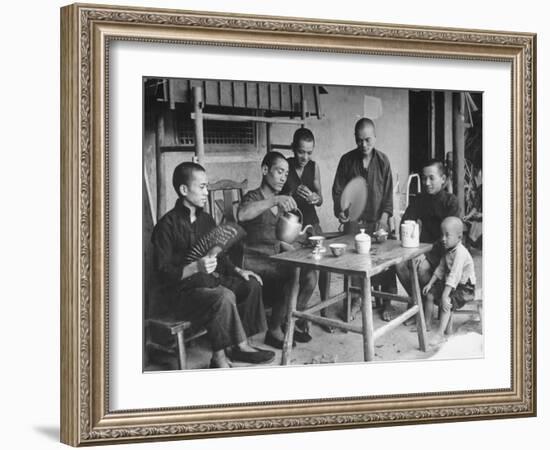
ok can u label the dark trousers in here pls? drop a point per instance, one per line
(230, 312)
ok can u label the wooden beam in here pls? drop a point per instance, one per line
(198, 119)
(160, 175)
(171, 94)
(268, 136)
(395, 322)
(394, 297)
(448, 133)
(238, 118)
(178, 149)
(458, 148)
(432, 124)
(328, 322)
(325, 304)
(281, 147)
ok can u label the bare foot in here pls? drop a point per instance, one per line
(328, 329)
(388, 313)
(277, 333)
(246, 347)
(437, 340)
(355, 308)
(219, 362)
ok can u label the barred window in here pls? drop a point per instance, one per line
(218, 132)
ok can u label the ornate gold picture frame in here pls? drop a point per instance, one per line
(87, 32)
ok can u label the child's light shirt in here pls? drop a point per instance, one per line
(456, 267)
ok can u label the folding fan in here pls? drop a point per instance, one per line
(215, 241)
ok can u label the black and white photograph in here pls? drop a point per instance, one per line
(288, 224)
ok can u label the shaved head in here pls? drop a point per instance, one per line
(364, 123)
(453, 224)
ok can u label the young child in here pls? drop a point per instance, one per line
(453, 282)
(429, 209)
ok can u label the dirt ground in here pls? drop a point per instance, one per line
(400, 344)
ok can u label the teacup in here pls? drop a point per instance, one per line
(381, 235)
(338, 249)
(316, 241)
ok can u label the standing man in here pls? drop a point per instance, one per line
(210, 292)
(374, 166)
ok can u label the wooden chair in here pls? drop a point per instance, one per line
(225, 209)
(224, 197)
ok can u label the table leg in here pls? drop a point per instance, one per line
(324, 289)
(182, 362)
(417, 299)
(347, 300)
(368, 324)
(289, 335)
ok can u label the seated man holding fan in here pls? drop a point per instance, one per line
(210, 291)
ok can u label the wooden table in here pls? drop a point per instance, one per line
(381, 257)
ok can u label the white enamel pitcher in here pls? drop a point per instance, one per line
(410, 234)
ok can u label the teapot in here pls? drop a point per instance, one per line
(410, 234)
(289, 225)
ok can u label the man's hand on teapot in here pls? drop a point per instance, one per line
(207, 264)
(246, 274)
(286, 202)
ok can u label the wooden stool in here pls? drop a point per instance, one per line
(176, 329)
(478, 311)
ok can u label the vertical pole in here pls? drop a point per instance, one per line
(317, 102)
(289, 335)
(458, 148)
(366, 315)
(432, 124)
(171, 98)
(448, 137)
(199, 130)
(448, 119)
(268, 136)
(160, 172)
